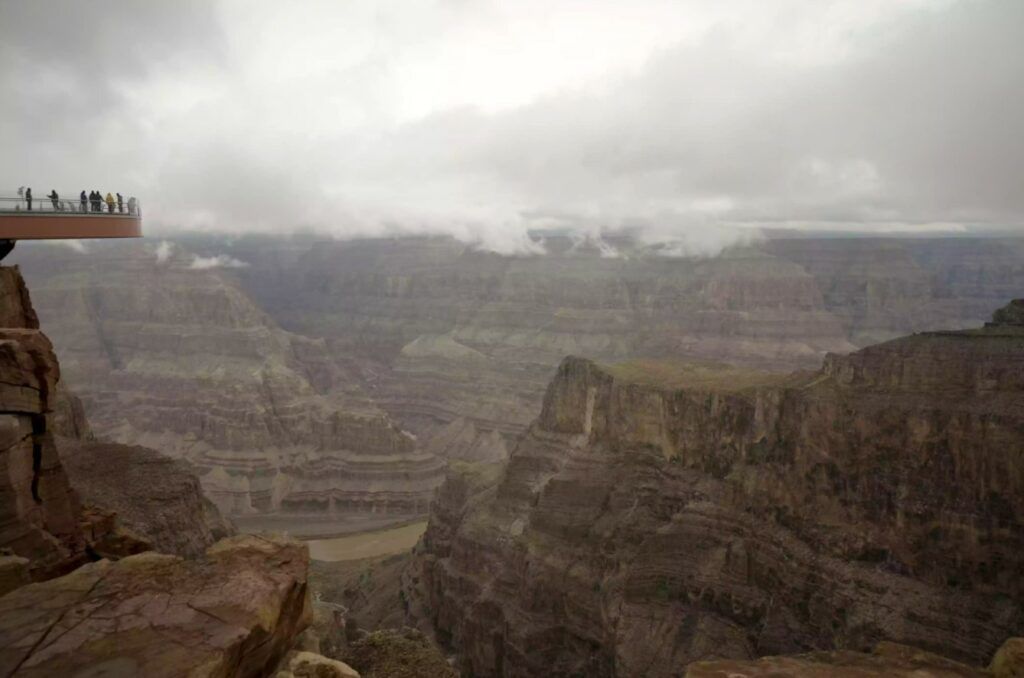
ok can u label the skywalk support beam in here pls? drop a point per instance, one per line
(65, 226)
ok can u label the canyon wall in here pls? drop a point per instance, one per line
(655, 516)
(64, 498)
(82, 590)
(443, 331)
(177, 358)
(276, 365)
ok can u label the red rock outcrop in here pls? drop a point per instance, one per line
(234, 613)
(39, 512)
(651, 519)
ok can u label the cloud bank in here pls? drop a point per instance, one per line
(689, 121)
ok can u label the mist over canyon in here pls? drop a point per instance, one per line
(483, 339)
(287, 379)
(805, 444)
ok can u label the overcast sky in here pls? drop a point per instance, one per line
(484, 118)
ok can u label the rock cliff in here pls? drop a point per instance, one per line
(447, 332)
(155, 498)
(39, 512)
(235, 612)
(177, 358)
(658, 514)
(437, 332)
(236, 608)
(134, 499)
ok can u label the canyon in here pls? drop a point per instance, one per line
(111, 560)
(637, 510)
(448, 332)
(655, 515)
(178, 359)
(256, 357)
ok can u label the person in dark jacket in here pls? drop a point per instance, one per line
(53, 198)
(120, 203)
(84, 201)
(28, 198)
(95, 199)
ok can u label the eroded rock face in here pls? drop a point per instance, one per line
(178, 359)
(134, 498)
(453, 333)
(235, 612)
(39, 512)
(440, 332)
(156, 499)
(640, 526)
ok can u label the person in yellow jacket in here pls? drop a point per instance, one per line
(110, 203)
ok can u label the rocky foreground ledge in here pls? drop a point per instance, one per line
(234, 612)
(231, 608)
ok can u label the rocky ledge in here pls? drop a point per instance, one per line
(657, 515)
(234, 612)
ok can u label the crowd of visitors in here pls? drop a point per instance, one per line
(95, 202)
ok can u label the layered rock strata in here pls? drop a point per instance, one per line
(235, 612)
(437, 331)
(134, 498)
(156, 499)
(39, 512)
(657, 515)
(446, 332)
(177, 358)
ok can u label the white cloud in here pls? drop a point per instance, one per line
(485, 119)
(163, 251)
(201, 263)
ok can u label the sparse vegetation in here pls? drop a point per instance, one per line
(706, 376)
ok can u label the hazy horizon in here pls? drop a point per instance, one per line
(694, 122)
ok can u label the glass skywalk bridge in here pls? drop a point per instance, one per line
(63, 219)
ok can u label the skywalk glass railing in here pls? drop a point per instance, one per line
(70, 206)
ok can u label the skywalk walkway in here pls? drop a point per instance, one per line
(63, 219)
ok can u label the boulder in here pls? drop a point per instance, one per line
(311, 665)
(234, 612)
(1009, 660)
